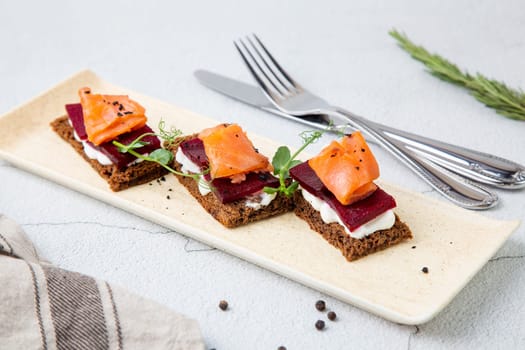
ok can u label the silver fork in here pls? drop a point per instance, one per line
(290, 97)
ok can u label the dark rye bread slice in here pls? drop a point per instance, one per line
(336, 235)
(230, 214)
(118, 179)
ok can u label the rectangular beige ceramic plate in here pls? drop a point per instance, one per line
(452, 242)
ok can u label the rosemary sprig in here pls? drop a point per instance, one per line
(283, 161)
(494, 94)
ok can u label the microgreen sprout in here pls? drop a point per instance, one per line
(283, 161)
(161, 156)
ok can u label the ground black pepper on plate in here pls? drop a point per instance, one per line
(319, 325)
(320, 305)
(332, 316)
(223, 305)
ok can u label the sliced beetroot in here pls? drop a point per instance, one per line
(228, 192)
(74, 111)
(123, 159)
(353, 215)
(194, 150)
(223, 188)
(111, 151)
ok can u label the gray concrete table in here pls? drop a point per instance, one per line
(339, 49)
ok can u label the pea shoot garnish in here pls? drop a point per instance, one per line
(284, 160)
(161, 156)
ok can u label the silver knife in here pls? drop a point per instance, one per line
(490, 170)
(252, 95)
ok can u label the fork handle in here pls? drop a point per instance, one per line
(479, 166)
(455, 188)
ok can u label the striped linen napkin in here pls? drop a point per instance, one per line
(45, 307)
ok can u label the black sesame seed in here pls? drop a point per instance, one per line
(87, 92)
(424, 269)
(115, 103)
(320, 305)
(121, 107)
(168, 197)
(163, 179)
(120, 114)
(128, 112)
(356, 168)
(362, 149)
(332, 316)
(170, 189)
(223, 305)
(413, 247)
(319, 325)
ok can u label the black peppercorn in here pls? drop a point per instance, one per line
(223, 305)
(320, 305)
(332, 316)
(319, 325)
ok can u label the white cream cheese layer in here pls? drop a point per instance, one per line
(260, 200)
(257, 201)
(96, 154)
(93, 153)
(187, 166)
(382, 222)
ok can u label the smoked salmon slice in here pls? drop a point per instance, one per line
(231, 154)
(108, 116)
(347, 168)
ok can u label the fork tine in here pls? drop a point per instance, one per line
(261, 69)
(272, 70)
(281, 69)
(257, 77)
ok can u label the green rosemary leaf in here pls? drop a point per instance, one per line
(494, 94)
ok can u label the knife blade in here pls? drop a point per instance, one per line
(253, 96)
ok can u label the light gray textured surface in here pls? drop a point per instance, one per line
(154, 46)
